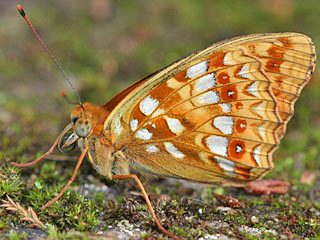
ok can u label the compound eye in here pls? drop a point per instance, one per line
(83, 127)
(74, 120)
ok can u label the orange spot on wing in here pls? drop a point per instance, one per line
(276, 52)
(181, 77)
(241, 125)
(273, 65)
(236, 149)
(229, 93)
(216, 60)
(239, 105)
(285, 41)
(223, 78)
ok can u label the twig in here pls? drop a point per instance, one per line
(29, 216)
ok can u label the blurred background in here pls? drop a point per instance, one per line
(105, 45)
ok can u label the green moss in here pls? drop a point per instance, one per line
(10, 182)
(16, 236)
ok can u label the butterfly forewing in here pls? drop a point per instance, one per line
(217, 115)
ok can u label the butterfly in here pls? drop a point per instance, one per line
(215, 116)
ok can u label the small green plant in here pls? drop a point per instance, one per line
(17, 236)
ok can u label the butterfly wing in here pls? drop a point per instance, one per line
(216, 115)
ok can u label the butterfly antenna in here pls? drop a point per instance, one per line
(64, 95)
(23, 14)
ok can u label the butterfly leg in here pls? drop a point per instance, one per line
(145, 195)
(83, 154)
(54, 145)
(267, 186)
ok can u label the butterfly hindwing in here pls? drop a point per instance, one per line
(217, 115)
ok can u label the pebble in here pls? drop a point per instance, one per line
(254, 219)
(224, 209)
(215, 237)
(250, 230)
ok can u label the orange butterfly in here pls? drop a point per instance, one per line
(214, 117)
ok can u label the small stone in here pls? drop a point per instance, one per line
(224, 209)
(270, 222)
(250, 230)
(254, 219)
(189, 219)
(315, 211)
(227, 210)
(104, 188)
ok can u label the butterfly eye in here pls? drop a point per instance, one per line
(83, 127)
(74, 119)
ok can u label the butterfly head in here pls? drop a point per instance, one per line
(82, 122)
(87, 120)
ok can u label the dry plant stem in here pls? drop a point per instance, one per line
(54, 145)
(29, 216)
(80, 160)
(145, 195)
